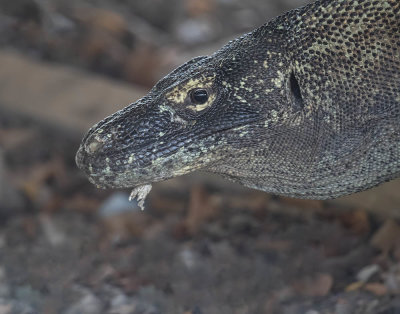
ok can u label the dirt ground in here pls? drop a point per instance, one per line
(202, 245)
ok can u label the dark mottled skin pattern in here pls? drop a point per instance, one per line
(307, 105)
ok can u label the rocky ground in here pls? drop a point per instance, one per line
(202, 245)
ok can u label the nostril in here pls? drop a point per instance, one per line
(93, 144)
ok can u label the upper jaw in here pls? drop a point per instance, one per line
(116, 170)
(120, 170)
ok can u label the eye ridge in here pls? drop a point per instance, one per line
(199, 95)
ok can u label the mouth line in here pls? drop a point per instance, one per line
(166, 151)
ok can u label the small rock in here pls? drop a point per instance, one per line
(367, 272)
(343, 307)
(195, 31)
(88, 304)
(148, 297)
(189, 258)
(116, 204)
(5, 308)
(27, 297)
(61, 23)
(119, 300)
(22, 307)
(121, 304)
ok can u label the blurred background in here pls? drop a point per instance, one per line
(202, 245)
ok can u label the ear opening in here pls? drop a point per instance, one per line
(296, 92)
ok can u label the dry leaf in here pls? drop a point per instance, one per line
(357, 221)
(376, 288)
(367, 272)
(354, 286)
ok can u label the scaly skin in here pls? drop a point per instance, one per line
(307, 105)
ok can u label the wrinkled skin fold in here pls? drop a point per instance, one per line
(307, 105)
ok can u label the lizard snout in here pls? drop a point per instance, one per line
(81, 160)
(87, 156)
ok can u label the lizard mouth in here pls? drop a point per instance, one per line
(139, 166)
(111, 163)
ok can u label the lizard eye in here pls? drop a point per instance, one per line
(199, 96)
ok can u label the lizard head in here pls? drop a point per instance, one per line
(197, 117)
(294, 108)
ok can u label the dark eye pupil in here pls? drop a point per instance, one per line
(199, 96)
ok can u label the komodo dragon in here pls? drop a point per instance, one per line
(307, 105)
